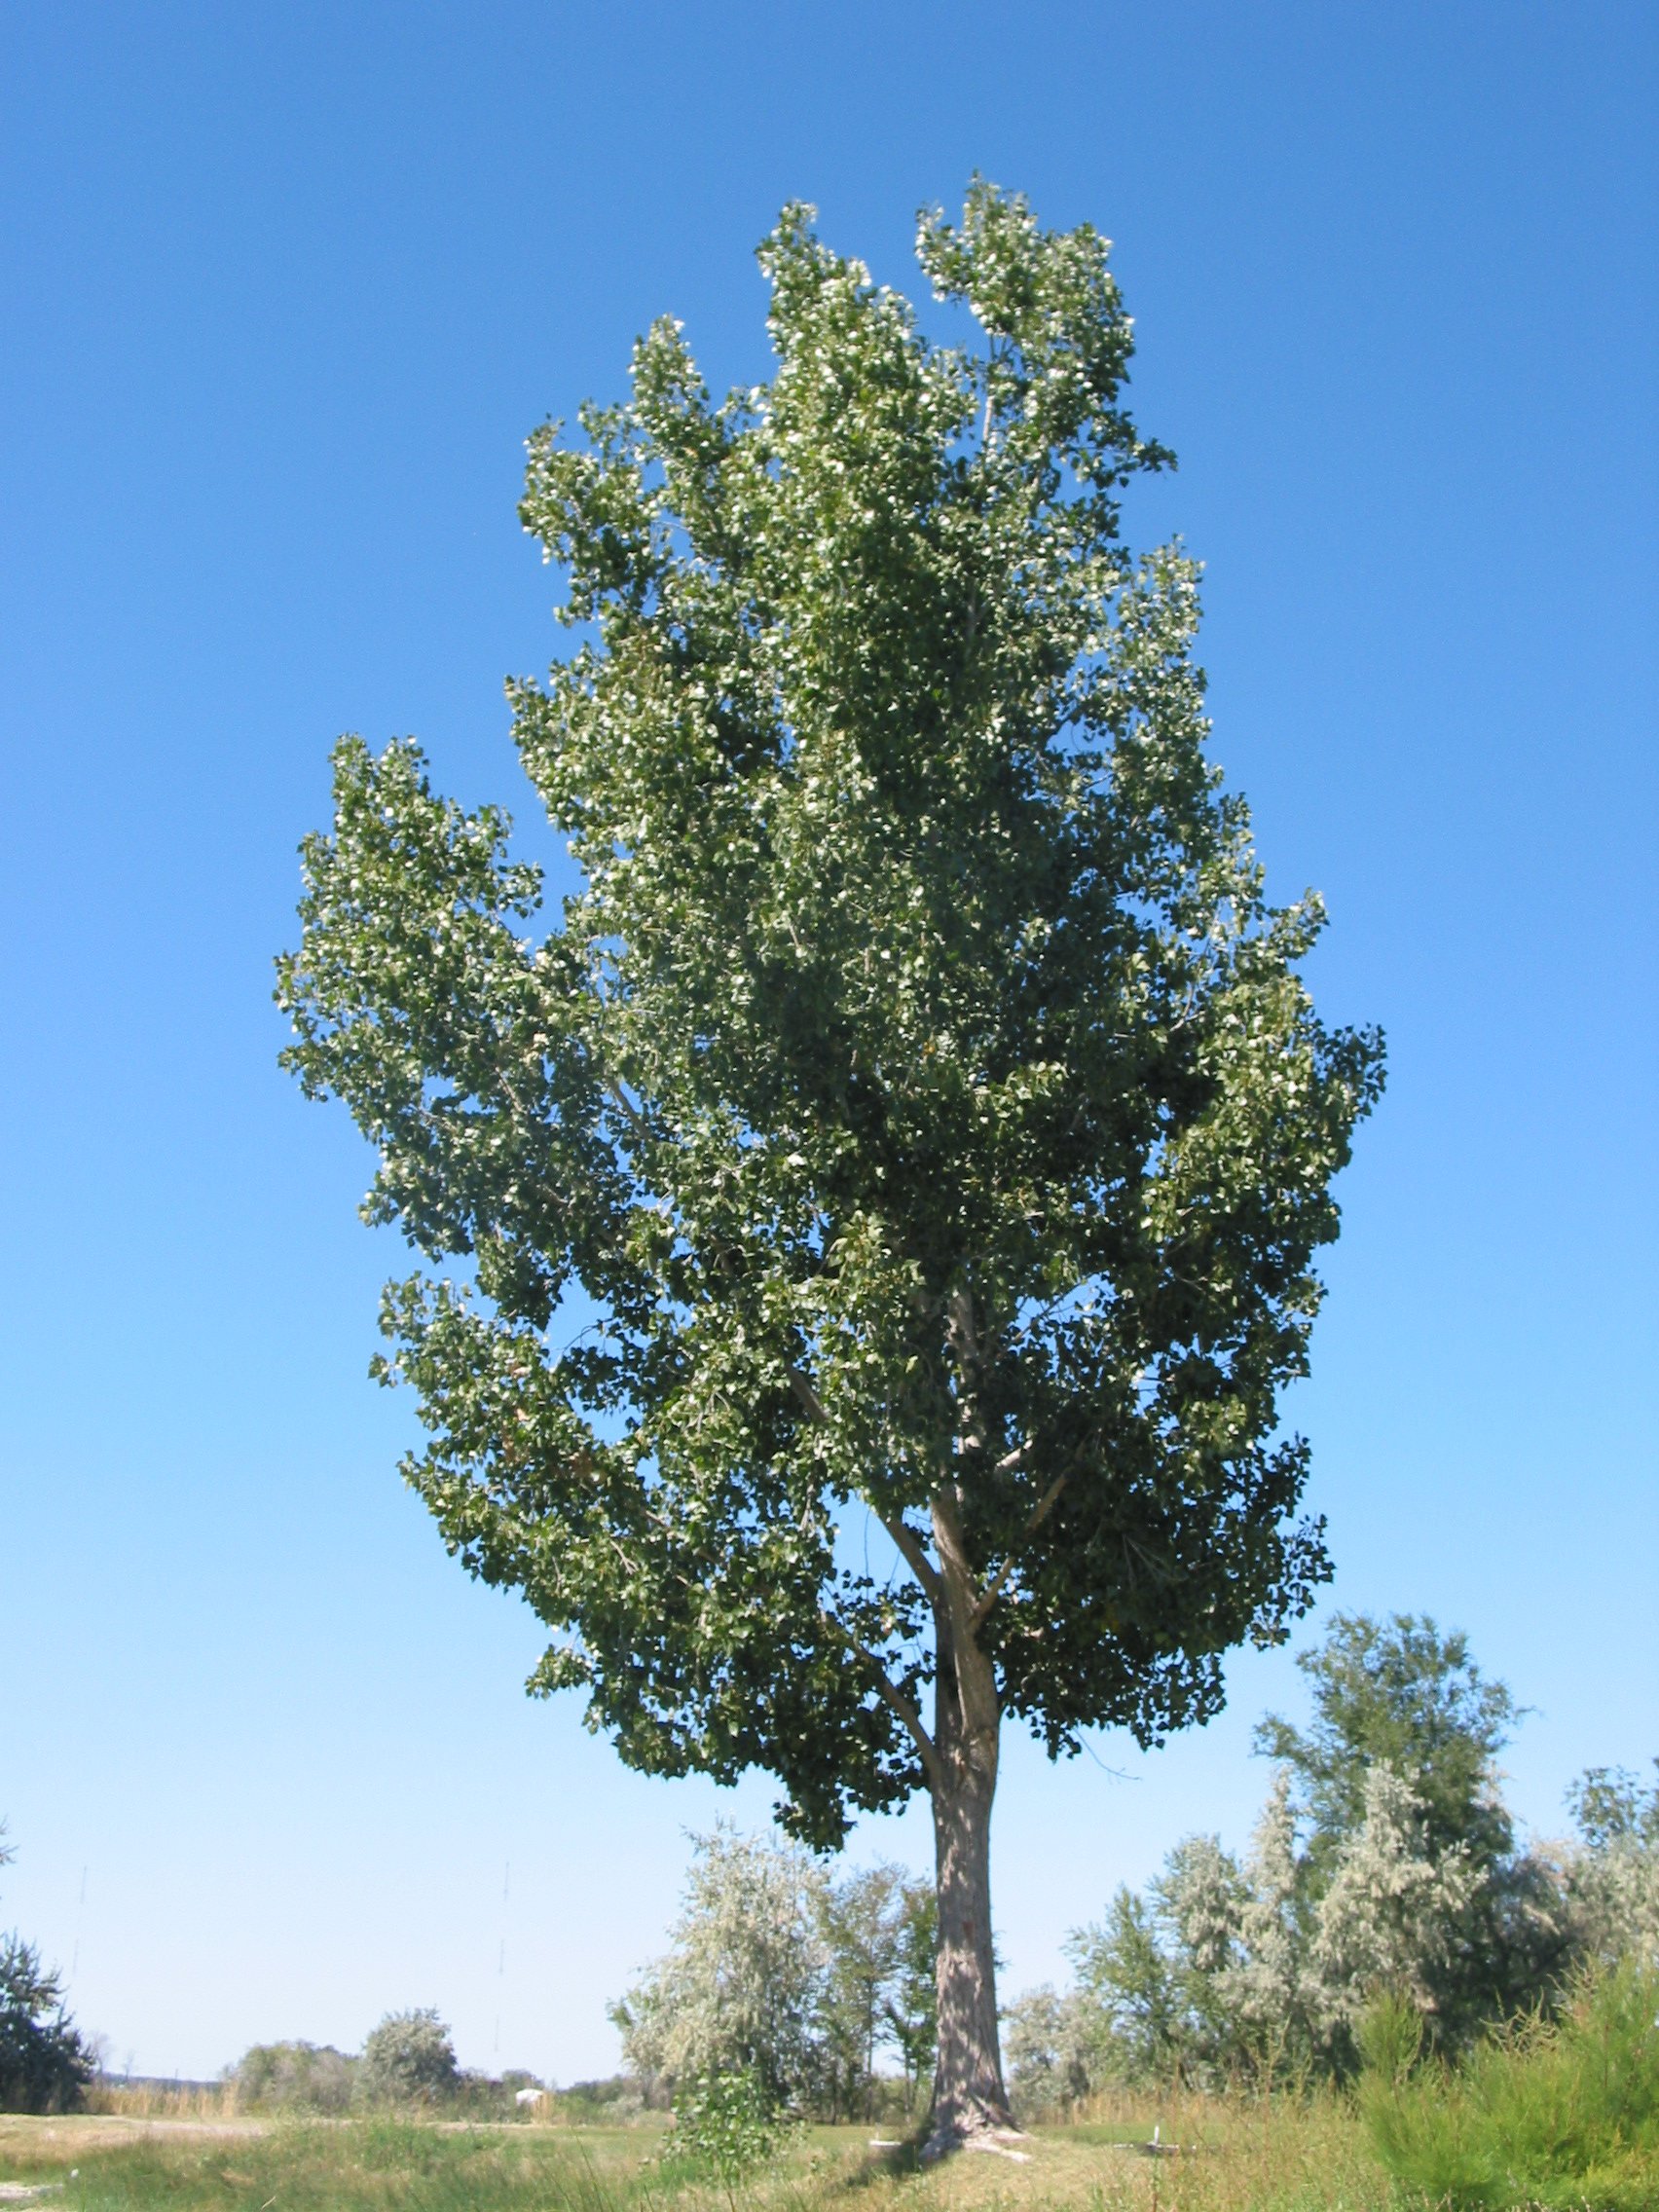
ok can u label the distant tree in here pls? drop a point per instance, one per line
(1059, 2050)
(1400, 1913)
(916, 1121)
(739, 1990)
(1154, 1975)
(1612, 1880)
(911, 2006)
(304, 2076)
(793, 1981)
(618, 2096)
(409, 2059)
(862, 1922)
(1612, 1807)
(879, 1988)
(44, 2061)
(1404, 1695)
(1384, 1860)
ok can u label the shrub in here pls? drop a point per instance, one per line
(1552, 2113)
(617, 2098)
(727, 2124)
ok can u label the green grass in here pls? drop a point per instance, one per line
(1555, 2113)
(374, 2166)
(1288, 2156)
(1550, 2116)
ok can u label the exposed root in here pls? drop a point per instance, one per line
(992, 2140)
(995, 2137)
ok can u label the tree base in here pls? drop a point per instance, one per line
(993, 2132)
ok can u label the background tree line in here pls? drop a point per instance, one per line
(407, 2062)
(1384, 1864)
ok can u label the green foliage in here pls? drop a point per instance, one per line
(738, 1992)
(1400, 1694)
(775, 1973)
(1160, 1991)
(1612, 1882)
(919, 1088)
(1060, 2052)
(1384, 1863)
(1389, 2038)
(613, 2100)
(910, 2002)
(725, 2124)
(293, 2077)
(1560, 2112)
(44, 2061)
(876, 1929)
(1614, 1811)
(407, 2059)
(1404, 1695)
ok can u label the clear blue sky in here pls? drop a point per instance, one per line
(285, 289)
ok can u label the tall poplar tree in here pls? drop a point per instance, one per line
(886, 1191)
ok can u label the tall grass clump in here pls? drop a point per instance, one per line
(1562, 2113)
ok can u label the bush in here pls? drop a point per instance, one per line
(1561, 2113)
(617, 2099)
(725, 2124)
(409, 2059)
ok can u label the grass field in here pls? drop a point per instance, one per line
(1280, 2156)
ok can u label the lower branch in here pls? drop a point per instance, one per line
(1000, 1581)
(890, 1694)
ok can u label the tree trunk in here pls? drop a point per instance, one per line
(969, 2097)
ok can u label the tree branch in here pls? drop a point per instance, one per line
(896, 1526)
(915, 1557)
(892, 1695)
(619, 1099)
(808, 1396)
(1041, 1513)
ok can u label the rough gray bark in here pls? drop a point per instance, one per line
(969, 2095)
